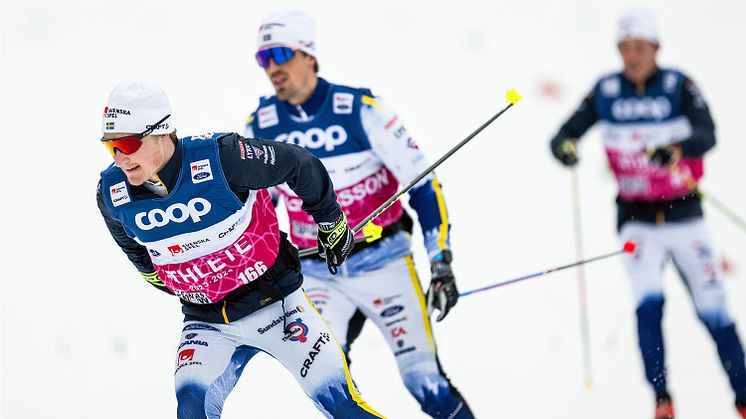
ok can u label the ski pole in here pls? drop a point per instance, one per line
(511, 96)
(582, 295)
(374, 231)
(727, 212)
(629, 247)
(724, 210)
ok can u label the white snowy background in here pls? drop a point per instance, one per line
(83, 336)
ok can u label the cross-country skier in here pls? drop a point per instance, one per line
(195, 218)
(368, 152)
(656, 128)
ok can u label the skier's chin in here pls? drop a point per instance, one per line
(136, 176)
(282, 93)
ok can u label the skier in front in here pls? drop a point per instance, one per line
(368, 154)
(194, 217)
(656, 127)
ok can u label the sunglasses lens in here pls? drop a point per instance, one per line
(262, 58)
(126, 145)
(280, 55)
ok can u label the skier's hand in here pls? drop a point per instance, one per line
(664, 156)
(442, 293)
(567, 152)
(335, 241)
(154, 280)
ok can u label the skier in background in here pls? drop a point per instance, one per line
(656, 128)
(194, 217)
(368, 154)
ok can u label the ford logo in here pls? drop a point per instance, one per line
(392, 311)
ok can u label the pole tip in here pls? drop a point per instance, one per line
(629, 246)
(512, 96)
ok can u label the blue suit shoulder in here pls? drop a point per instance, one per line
(214, 136)
(112, 168)
(358, 91)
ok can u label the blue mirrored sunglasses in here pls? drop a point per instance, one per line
(280, 55)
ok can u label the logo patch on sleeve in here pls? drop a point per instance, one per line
(201, 171)
(342, 103)
(119, 194)
(611, 87)
(267, 116)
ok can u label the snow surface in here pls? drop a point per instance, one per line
(84, 337)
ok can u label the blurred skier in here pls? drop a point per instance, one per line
(368, 153)
(656, 127)
(194, 217)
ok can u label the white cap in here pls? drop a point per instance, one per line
(134, 106)
(296, 30)
(637, 23)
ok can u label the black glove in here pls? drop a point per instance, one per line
(664, 156)
(567, 152)
(335, 241)
(154, 280)
(442, 294)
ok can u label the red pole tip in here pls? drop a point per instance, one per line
(630, 246)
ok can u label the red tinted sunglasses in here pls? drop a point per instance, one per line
(131, 143)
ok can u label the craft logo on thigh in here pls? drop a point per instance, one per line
(317, 346)
(297, 331)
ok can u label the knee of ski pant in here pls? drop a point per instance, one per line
(190, 400)
(336, 401)
(197, 401)
(715, 320)
(650, 309)
(712, 309)
(350, 409)
(433, 392)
